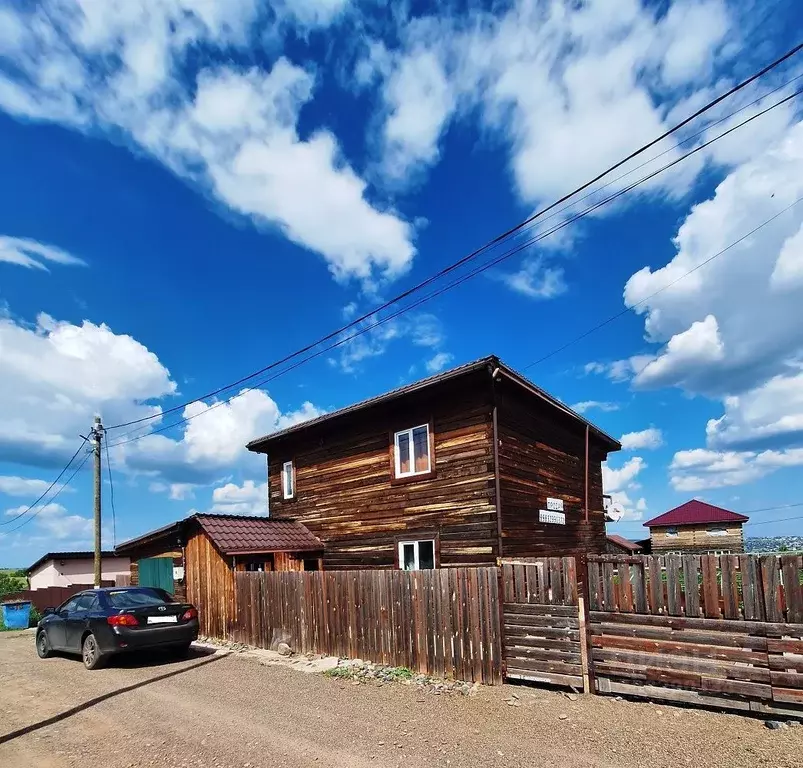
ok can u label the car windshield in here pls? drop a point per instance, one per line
(134, 598)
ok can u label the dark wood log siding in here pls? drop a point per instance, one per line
(541, 455)
(345, 496)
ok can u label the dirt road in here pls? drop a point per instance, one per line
(233, 712)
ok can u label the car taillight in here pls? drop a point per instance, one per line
(190, 613)
(123, 620)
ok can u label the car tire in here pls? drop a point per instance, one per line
(43, 649)
(90, 653)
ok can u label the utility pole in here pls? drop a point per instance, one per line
(97, 434)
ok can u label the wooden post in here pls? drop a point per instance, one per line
(581, 610)
(97, 433)
(586, 661)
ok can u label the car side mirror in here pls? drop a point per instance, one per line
(48, 611)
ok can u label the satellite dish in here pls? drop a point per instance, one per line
(614, 513)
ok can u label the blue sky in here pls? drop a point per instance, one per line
(193, 190)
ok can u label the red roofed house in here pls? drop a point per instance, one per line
(196, 558)
(697, 527)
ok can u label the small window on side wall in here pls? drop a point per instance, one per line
(411, 451)
(717, 530)
(417, 555)
(672, 532)
(288, 480)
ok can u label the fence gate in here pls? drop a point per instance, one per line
(544, 634)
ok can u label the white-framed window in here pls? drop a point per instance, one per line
(417, 555)
(411, 451)
(288, 480)
(717, 530)
(672, 532)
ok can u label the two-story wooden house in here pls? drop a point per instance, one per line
(463, 468)
(697, 527)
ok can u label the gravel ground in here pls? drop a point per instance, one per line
(231, 711)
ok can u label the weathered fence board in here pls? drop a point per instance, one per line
(435, 622)
(541, 622)
(724, 630)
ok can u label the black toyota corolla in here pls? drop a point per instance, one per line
(99, 623)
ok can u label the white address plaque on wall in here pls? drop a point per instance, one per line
(547, 516)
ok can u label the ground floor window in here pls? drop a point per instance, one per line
(310, 563)
(417, 555)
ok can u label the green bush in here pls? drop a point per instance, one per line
(36, 617)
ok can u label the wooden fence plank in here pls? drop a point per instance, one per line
(793, 590)
(656, 585)
(730, 587)
(673, 585)
(709, 565)
(691, 584)
(770, 582)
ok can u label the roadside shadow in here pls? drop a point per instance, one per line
(207, 657)
(155, 658)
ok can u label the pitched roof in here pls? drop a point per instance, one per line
(696, 512)
(67, 556)
(236, 535)
(239, 534)
(491, 362)
(623, 542)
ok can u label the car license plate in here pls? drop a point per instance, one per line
(162, 619)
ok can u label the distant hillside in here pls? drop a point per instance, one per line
(774, 544)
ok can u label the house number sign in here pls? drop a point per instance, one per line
(554, 505)
(547, 516)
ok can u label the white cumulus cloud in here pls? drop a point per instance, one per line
(32, 254)
(644, 440)
(122, 68)
(600, 405)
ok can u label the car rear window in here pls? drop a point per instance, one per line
(134, 598)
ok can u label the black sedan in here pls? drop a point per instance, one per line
(99, 623)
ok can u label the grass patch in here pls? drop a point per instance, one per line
(339, 672)
(398, 673)
(385, 674)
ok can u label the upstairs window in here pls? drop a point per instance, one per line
(717, 530)
(411, 451)
(672, 532)
(417, 555)
(288, 480)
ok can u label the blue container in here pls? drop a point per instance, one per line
(17, 614)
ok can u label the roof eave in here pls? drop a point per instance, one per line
(260, 444)
(151, 536)
(262, 551)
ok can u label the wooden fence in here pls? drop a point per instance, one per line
(49, 597)
(542, 623)
(441, 622)
(724, 630)
(716, 630)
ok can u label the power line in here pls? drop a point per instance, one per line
(111, 494)
(498, 239)
(629, 309)
(53, 498)
(781, 520)
(484, 267)
(49, 488)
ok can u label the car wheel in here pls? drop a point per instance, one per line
(43, 646)
(93, 658)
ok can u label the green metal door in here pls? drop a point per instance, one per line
(156, 572)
